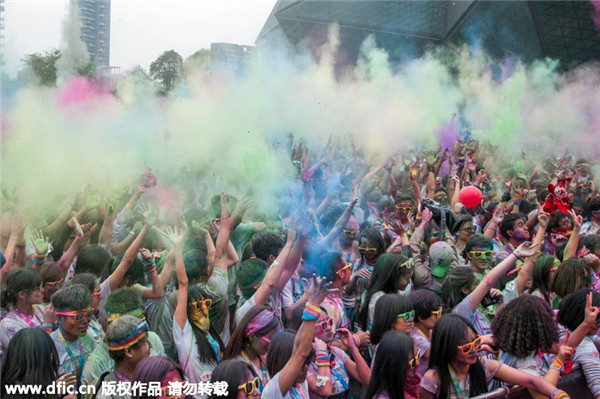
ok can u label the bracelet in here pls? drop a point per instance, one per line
(323, 352)
(517, 256)
(20, 246)
(322, 380)
(312, 312)
(356, 340)
(558, 363)
(39, 259)
(323, 364)
(152, 270)
(559, 369)
(517, 203)
(558, 394)
(313, 308)
(309, 317)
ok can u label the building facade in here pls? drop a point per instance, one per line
(95, 29)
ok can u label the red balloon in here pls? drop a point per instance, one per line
(470, 196)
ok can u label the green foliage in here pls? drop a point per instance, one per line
(200, 61)
(167, 69)
(43, 67)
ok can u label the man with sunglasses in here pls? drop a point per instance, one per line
(73, 305)
(479, 254)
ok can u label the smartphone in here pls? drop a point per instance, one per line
(489, 300)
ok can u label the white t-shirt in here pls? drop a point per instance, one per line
(273, 391)
(12, 323)
(187, 352)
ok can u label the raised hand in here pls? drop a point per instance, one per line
(176, 236)
(40, 243)
(498, 216)
(526, 249)
(346, 338)
(200, 228)
(148, 214)
(426, 216)
(591, 312)
(543, 218)
(397, 227)
(317, 291)
(565, 352)
(577, 220)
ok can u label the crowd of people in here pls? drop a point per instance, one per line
(369, 280)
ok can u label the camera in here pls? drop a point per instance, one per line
(443, 215)
(489, 300)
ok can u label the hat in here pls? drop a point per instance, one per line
(440, 257)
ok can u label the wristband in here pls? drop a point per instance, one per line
(558, 394)
(558, 363)
(356, 340)
(517, 203)
(21, 246)
(39, 259)
(151, 270)
(506, 196)
(322, 352)
(309, 317)
(517, 256)
(48, 328)
(313, 308)
(323, 364)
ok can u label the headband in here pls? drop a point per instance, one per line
(130, 340)
(260, 321)
(114, 316)
(253, 283)
(71, 311)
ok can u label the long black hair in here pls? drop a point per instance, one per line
(541, 274)
(453, 285)
(387, 309)
(216, 315)
(385, 276)
(390, 365)
(448, 333)
(232, 372)
(30, 359)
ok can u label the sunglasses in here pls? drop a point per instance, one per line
(435, 234)
(98, 293)
(437, 313)
(408, 316)
(404, 209)
(480, 254)
(367, 251)
(350, 233)
(406, 264)
(467, 348)
(412, 363)
(267, 340)
(199, 304)
(54, 284)
(250, 386)
(323, 325)
(469, 229)
(348, 266)
(79, 315)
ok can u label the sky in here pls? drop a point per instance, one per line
(140, 30)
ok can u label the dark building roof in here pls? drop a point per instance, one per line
(562, 30)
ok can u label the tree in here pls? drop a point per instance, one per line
(167, 68)
(198, 62)
(43, 67)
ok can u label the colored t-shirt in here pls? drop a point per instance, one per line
(481, 324)
(12, 323)
(69, 352)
